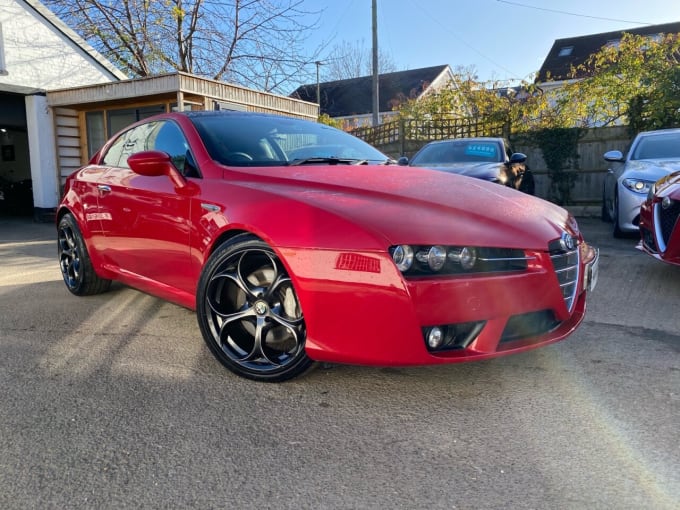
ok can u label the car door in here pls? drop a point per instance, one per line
(148, 236)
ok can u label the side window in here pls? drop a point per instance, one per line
(130, 142)
(137, 140)
(112, 156)
(170, 139)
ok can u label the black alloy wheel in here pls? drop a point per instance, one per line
(74, 261)
(249, 313)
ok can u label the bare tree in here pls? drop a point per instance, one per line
(352, 60)
(251, 42)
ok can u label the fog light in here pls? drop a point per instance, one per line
(435, 338)
(666, 202)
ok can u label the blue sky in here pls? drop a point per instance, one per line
(501, 39)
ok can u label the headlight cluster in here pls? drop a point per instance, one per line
(438, 259)
(638, 185)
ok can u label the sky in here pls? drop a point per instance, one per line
(502, 40)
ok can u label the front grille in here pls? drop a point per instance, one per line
(529, 325)
(566, 265)
(667, 219)
(648, 240)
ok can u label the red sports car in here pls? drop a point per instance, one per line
(659, 226)
(296, 242)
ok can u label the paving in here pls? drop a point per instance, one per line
(113, 401)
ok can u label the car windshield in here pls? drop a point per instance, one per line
(269, 140)
(658, 146)
(459, 151)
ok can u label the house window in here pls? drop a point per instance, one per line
(101, 125)
(566, 51)
(118, 119)
(96, 134)
(613, 43)
(3, 69)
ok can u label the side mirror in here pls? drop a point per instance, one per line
(150, 163)
(517, 157)
(155, 164)
(616, 156)
(402, 161)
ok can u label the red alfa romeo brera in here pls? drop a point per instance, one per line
(296, 242)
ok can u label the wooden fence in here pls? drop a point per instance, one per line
(589, 167)
(404, 137)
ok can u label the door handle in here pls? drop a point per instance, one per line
(103, 189)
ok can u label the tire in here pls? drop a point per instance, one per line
(74, 261)
(606, 217)
(616, 231)
(249, 314)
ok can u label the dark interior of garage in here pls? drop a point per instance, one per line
(16, 192)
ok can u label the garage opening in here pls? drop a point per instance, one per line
(16, 192)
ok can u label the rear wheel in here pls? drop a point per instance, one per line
(74, 261)
(249, 313)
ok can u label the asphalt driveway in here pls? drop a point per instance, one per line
(113, 401)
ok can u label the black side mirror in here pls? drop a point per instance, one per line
(518, 157)
(402, 161)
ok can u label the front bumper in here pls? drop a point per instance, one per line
(381, 319)
(629, 209)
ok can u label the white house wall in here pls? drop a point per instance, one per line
(41, 128)
(38, 55)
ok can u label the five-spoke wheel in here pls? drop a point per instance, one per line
(249, 313)
(74, 261)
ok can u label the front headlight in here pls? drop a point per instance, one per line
(434, 257)
(466, 257)
(419, 260)
(402, 256)
(638, 185)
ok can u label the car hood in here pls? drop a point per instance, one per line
(669, 184)
(651, 169)
(420, 206)
(486, 171)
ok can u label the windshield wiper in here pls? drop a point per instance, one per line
(330, 161)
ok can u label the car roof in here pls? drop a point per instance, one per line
(657, 132)
(471, 139)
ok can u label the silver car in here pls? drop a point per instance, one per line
(652, 155)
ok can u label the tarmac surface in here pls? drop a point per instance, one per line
(113, 401)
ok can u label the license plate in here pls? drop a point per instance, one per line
(592, 271)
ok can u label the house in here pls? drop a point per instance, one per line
(85, 117)
(571, 52)
(37, 53)
(60, 100)
(351, 100)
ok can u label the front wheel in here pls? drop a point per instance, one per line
(249, 313)
(605, 214)
(616, 231)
